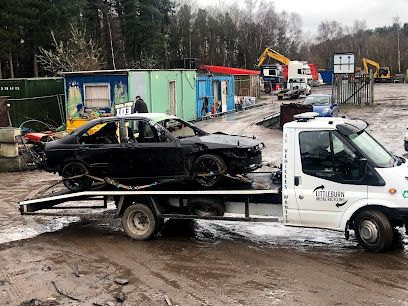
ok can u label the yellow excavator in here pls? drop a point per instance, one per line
(380, 74)
(268, 52)
(271, 74)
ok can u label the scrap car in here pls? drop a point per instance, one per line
(149, 147)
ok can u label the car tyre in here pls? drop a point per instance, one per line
(139, 222)
(280, 97)
(406, 145)
(79, 170)
(208, 170)
(373, 230)
(206, 207)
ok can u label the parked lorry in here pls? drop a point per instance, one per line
(334, 175)
(275, 76)
(295, 88)
(272, 77)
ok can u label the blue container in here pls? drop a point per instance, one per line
(327, 76)
(209, 91)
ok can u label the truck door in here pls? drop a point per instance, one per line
(328, 178)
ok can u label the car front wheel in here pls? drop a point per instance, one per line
(406, 145)
(208, 170)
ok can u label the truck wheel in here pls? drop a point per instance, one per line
(206, 207)
(139, 222)
(208, 170)
(373, 230)
(74, 176)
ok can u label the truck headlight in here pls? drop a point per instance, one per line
(326, 110)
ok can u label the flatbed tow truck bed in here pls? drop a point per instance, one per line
(240, 202)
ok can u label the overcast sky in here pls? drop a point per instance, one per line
(375, 12)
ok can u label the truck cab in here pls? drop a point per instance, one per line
(272, 77)
(298, 69)
(336, 176)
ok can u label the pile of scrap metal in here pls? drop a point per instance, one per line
(37, 133)
(34, 135)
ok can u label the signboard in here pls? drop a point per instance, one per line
(124, 108)
(343, 62)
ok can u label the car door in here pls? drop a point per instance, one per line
(100, 148)
(327, 178)
(150, 151)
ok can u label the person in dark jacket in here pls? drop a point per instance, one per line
(140, 106)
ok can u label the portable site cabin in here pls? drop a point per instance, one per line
(246, 83)
(215, 94)
(91, 94)
(34, 98)
(165, 91)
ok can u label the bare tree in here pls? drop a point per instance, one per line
(78, 54)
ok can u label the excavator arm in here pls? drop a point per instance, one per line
(367, 62)
(268, 52)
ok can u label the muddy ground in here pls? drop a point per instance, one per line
(75, 261)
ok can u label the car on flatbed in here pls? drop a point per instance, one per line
(149, 146)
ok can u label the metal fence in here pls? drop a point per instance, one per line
(50, 109)
(353, 89)
(247, 85)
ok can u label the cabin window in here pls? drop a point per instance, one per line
(97, 95)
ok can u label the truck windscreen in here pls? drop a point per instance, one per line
(373, 150)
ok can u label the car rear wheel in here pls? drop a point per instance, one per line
(74, 176)
(208, 170)
(373, 230)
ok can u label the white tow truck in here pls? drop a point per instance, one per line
(334, 175)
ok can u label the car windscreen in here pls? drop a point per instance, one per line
(317, 100)
(372, 149)
(181, 129)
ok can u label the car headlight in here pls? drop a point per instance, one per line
(326, 110)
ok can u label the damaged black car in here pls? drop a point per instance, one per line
(149, 147)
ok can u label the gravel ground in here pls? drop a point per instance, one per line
(74, 261)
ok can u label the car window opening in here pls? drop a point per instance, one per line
(103, 133)
(181, 129)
